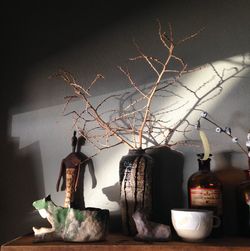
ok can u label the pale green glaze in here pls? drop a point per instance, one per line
(71, 224)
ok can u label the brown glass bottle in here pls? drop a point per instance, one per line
(205, 191)
(243, 205)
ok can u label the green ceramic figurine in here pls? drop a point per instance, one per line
(68, 224)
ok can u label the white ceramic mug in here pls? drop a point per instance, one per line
(194, 224)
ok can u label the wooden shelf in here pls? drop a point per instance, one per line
(120, 242)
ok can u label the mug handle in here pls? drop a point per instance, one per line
(216, 222)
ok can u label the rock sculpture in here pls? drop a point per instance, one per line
(150, 231)
(68, 224)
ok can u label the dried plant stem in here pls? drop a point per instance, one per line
(133, 122)
(228, 134)
(150, 98)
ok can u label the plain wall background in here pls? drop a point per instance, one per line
(94, 38)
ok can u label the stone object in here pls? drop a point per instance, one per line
(68, 224)
(150, 231)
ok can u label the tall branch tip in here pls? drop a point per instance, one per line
(129, 118)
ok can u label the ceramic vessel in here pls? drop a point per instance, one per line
(193, 225)
(135, 187)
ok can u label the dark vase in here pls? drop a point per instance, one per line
(167, 180)
(135, 186)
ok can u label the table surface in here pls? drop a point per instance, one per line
(116, 242)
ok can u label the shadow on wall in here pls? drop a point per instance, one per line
(230, 177)
(224, 22)
(113, 195)
(21, 182)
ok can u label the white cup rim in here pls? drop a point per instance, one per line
(191, 210)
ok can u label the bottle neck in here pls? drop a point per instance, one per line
(204, 165)
(136, 151)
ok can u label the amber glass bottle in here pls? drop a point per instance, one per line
(243, 199)
(205, 191)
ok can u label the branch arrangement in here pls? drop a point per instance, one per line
(227, 131)
(133, 120)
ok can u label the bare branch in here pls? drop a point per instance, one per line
(191, 36)
(150, 58)
(133, 119)
(127, 74)
(98, 76)
(162, 35)
(146, 58)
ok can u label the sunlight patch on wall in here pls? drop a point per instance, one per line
(54, 131)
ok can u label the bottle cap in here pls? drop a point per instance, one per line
(201, 155)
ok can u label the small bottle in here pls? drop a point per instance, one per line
(243, 198)
(205, 191)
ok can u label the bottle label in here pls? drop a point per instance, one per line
(205, 197)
